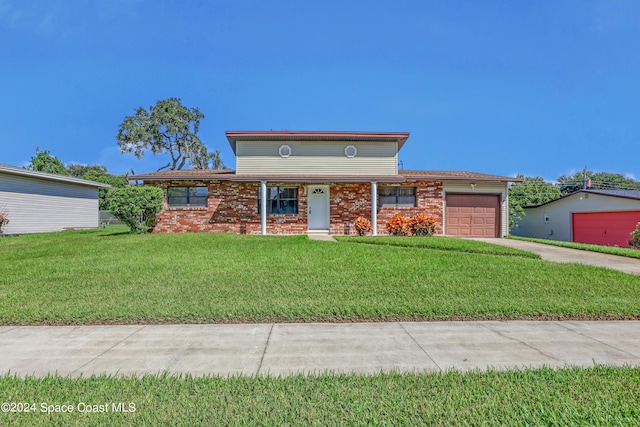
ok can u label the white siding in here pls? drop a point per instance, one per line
(37, 205)
(481, 188)
(559, 213)
(316, 158)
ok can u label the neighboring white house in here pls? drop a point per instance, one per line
(37, 202)
(602, 217)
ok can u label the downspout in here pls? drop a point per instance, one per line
(374, 207)
(263, 207)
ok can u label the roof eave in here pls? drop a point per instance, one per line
(51, 177)
(596, 192)
(445, 177)
(270, 178)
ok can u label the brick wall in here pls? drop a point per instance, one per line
(428, 200)
(233, 208)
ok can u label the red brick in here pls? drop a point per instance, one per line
(233, 208)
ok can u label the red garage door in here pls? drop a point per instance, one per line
(473, 215)
(604, 228)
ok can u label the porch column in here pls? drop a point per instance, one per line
(374, 207)
(263, 207)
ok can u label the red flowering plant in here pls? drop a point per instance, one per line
(423, 225)
(363, 226)
(4, 217)
(634, 242)
(399, 225)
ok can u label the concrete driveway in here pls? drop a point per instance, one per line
(284, 349)
(558, 254)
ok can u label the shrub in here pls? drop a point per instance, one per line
(136, 206)
(423, 225)
(634, 242)
(399, 225)
(4, 217)
(363, 226)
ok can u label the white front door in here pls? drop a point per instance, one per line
(318, 207)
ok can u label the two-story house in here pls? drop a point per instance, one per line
(305, 182)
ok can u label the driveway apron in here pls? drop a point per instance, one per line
(559, 254)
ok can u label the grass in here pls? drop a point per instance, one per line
(110, 276)
(598, 396)
(612, 250)
(442, 243)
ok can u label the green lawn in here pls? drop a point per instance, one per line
(612, 250)
(109, 276)
(599, 396)
(443, 243)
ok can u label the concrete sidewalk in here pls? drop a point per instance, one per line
(282, 349)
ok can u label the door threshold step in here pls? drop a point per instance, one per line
(318, 232)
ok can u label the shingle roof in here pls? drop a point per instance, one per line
(455, 175)
(624, 194)
(629, 194)
(230, 175)
(50, 176)
(186, 174)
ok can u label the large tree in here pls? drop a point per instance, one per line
(207, 160)
(115, 181)
(98, 173)
(79, 171)
(530, 192)
(166, 128)
(43, 161)
(595, 181)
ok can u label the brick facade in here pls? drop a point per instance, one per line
(233, 208)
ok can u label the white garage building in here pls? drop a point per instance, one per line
(37, 202)
(600, 217)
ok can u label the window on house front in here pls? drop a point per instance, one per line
(396, 197)
(280, 200)
(187, 196)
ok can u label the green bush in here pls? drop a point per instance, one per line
(136, 206)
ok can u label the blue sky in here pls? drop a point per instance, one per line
(541, 88)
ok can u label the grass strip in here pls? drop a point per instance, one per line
(598, 396)
(104, 276)
(611, 250)
(443, 243)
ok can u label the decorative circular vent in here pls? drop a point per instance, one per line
(285, 151)
(350, 151)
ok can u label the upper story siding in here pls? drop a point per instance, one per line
(316, 158)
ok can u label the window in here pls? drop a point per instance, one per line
(350, 151)
(284, 151)
(397, 196)
(187, 196)
(281, 200)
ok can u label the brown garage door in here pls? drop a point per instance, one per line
(473, 215)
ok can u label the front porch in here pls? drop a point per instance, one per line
(299, 208)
